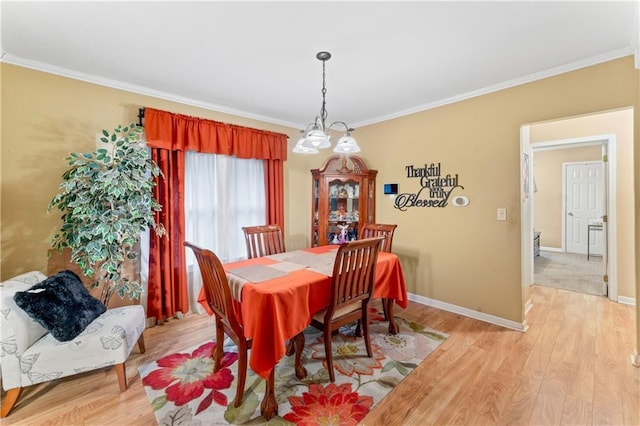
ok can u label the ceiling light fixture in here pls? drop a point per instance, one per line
(316, 135)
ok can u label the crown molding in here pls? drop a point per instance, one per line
(594, 60)
(142, 90)
(115, 84)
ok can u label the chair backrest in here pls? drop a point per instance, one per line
(263, 240)
(354, 271)
(380, 230)
(216, 286)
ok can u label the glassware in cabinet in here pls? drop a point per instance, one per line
(342, 198)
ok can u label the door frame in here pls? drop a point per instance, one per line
(608, 141)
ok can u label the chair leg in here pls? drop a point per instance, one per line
(365, 330)
(122, 376)
(328, 353)
(141, 343)
(384, 309)
(9, 401)
(218, 351)
(242, 374)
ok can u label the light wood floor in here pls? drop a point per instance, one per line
(571, 367)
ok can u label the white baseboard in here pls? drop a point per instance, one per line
(527, 307)
(627, 300)
(481, 316)
(556, 249)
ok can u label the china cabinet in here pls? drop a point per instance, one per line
(343, 200)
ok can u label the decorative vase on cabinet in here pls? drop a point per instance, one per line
(343, 200)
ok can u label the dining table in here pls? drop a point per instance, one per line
(276, 296)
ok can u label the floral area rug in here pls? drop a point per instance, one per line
(184, 390)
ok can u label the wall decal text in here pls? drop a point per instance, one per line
(435, 189)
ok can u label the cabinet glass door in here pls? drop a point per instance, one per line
(344, 211)
(314, 212)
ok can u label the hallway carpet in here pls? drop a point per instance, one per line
(569, 271)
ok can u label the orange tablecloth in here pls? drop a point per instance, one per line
(274, 311)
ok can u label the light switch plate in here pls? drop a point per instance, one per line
(501, 214)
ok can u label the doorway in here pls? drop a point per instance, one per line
(604, 146)
(572, 193)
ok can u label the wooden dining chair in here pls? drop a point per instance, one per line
(218, 293)
(354, 272)
(380, 230)
(263, 240)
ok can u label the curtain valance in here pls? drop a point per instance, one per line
(177, 132)
(170, 136)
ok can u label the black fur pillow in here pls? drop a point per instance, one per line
(61, 304)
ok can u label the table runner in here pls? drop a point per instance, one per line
(252, 273)
(285, 263)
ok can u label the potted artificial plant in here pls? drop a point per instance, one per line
(106, 203)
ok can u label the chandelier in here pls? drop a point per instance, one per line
(316, 135)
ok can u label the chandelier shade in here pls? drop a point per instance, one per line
(346, 145)
(316, 135)
(316, 138)
(300, 148)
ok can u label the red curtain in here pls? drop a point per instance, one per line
(167, 290)
(169, 136)
(274, 188)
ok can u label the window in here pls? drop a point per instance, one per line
(222, 194)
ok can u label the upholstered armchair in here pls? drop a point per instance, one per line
(29, 354)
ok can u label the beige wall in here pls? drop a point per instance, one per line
(461, 256)
(44, 117)
(620, 124)
(464, 256)
(547, 172)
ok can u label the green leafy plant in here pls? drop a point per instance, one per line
(107, 201)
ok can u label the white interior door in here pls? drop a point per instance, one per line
(583, 201)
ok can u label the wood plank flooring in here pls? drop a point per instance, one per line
(570, 368)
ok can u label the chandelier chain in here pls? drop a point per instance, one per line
(316, 134)
(323, 111)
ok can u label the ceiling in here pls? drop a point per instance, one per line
(258, 59)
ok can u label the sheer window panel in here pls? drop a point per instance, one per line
(222, 194)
